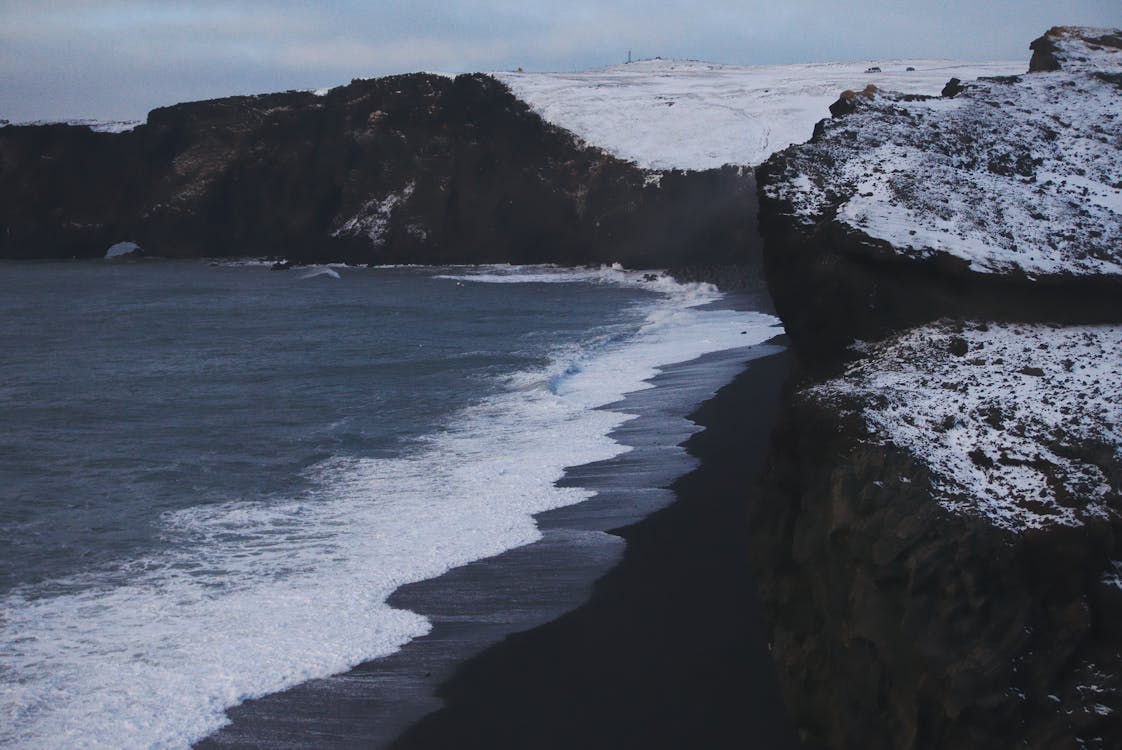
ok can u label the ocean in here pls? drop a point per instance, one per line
(213, 476)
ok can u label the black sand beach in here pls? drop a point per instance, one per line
(670, 651)
(665, 650)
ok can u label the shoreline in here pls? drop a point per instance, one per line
(670, 651)
(593, 613)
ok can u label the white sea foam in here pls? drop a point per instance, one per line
(320, 271)
(680, 294)
(254, 597)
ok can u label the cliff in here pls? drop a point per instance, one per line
(406, 169)
(938, 543)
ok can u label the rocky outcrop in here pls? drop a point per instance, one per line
(939, 539)
(833, 284)
(898, 624)
(1072, 47)
(405, 169)
(905, 208)
(912, 608)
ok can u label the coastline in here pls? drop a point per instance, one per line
(656, 616)
(670, 651)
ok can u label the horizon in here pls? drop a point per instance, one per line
(123, 58)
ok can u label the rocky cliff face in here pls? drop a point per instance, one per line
(939, 541)
(416, 168)
(907, 208)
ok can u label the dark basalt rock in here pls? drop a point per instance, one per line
(1044, 53)
(849, 101)
(843, 106)
(832, 284)
(416, 169)
(896, 623)
(953, 87)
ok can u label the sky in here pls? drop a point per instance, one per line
(117, 59)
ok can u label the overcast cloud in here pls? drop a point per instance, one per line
(116, 59)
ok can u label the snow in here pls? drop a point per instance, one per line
(120, 249)
(1020, 426)
(97, 126)
(670, 114)
(1113, 575)
(373, 218)
(1019, 175)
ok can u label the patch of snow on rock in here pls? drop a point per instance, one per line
(1113, 575)
(1019, 423)
(373, 219)
(667, 114)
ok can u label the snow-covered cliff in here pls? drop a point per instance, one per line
(940, 544)
(1019, 174)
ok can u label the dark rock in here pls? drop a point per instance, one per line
(1044, 53)
(849, 101)
(415, 168)
(953, 87)
(979, 457)
(833, 284)
(843, 106)
(897, 623)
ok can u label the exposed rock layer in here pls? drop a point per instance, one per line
(414, 169)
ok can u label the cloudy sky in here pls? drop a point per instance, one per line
(116, 59)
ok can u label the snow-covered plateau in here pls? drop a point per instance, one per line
(675, 114)
(1013, 175)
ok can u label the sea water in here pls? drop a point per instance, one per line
(212, 477)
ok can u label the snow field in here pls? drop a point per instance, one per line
(668, 114)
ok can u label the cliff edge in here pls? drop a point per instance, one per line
(938, 545)
(906, 208)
